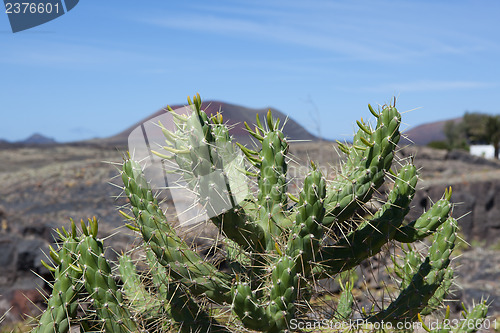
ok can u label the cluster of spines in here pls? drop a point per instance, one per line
(415, 297)
(295, 262)
(183, 263)
(369, 158)
(472, 320)
(63, 304)
(369, 238)
(202, 148)
(100, 283)
(164, 298)
(82, 272)
(272, 182)
(427, 223)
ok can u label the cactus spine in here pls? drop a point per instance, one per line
(277, 246)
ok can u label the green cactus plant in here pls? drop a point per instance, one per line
(277, 246)
(62, 306)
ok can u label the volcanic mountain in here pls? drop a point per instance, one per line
(425, 133)
(234, 115)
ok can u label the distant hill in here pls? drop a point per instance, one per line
(34, 139)
(234, 115)
(38, 139)
(428, 132)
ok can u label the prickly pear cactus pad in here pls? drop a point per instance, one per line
(274, 252)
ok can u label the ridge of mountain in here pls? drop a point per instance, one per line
(424, 134)
(34, 139)
(234, 115)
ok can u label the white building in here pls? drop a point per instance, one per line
(486, 151)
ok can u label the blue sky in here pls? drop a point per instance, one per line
(107, 64)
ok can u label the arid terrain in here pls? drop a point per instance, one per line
(44, 186)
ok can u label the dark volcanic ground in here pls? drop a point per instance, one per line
(42, 187)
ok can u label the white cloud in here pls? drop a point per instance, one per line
(353, 31)
(275, 31)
